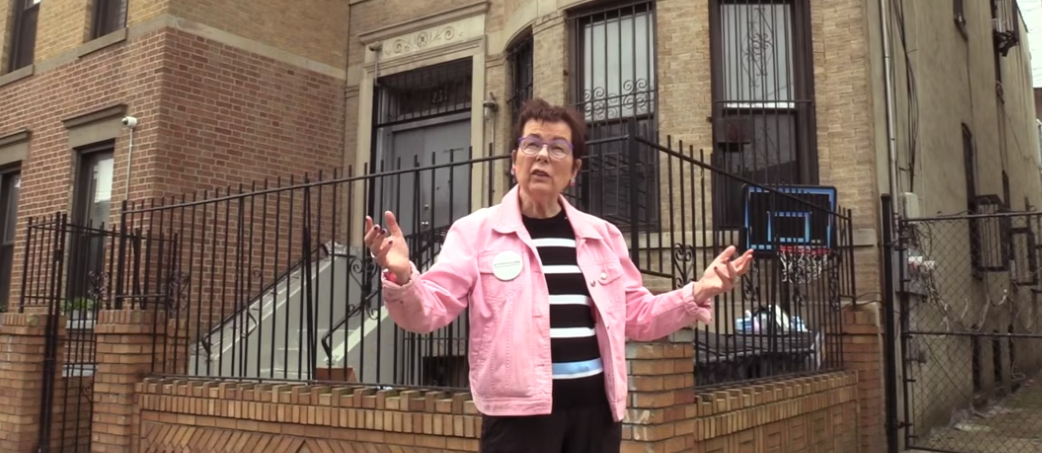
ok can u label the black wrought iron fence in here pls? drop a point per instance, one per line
(968, 328)
(66, 273)
(270, 281)
(785, 318)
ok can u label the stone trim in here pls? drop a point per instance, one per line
(95, 126)
(462, 49)
(14, 147)
(16, 75)
(102, 42)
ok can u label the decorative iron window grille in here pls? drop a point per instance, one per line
(613, 83)
(424, 93)
(520, 57)
(763, 98)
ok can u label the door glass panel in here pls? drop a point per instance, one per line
(99, 196)
(87, 258)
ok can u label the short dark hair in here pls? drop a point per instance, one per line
(539, 110)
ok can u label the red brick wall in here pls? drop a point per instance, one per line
(237, 122)
(231, 117)
(210, 116)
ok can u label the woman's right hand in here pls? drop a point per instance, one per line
(388, 247)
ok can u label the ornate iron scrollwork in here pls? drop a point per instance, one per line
(367, 269)
(834, 284)
(635, 97)
(98, 287)
(177, 284)
(684, 269)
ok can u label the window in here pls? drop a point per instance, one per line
(969, 163)
(969, 166)
(959, 11)
(90, 217)
(10, 186)
(522, 77)
(613, 67)
(24, 36)
(109, 16)
(763, 100)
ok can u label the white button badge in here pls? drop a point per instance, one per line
(506, 266)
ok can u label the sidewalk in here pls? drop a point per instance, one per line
(1012, 425)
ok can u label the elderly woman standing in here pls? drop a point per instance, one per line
(552, 293)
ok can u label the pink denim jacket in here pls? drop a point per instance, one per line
(510, 370)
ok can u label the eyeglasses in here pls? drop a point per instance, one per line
(558, 149)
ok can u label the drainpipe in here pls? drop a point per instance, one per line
(892, 424)
(129, 122)
(893, 168)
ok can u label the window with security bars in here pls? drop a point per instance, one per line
(428, 92)
(613, 67)
(23, 43)
(109, 16)
(520, 57)
(763, 99)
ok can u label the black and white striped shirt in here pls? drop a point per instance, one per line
(577, 368)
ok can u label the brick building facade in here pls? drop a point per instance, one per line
(230, 93)
(218, 104)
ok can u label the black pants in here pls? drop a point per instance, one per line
(588, 430)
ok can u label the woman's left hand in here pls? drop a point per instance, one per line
(722, 275)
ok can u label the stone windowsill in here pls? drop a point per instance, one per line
(16, 75)
(102, 42)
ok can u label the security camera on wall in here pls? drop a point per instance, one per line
(129, 122)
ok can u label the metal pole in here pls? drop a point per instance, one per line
(889, 329)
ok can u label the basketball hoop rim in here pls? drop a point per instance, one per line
(813, 250)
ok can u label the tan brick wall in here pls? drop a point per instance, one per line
(125, 348)
(61, 26)
(73, 410)
(795, 415)
(22, 345)
(862, 347)
(5, 37)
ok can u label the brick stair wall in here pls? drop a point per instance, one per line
(815, 413)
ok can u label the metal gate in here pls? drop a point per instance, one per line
(67, 274)
(966, 361)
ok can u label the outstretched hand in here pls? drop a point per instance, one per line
(387, 247)
(722, 275)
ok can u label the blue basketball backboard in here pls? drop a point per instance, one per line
(805, 219)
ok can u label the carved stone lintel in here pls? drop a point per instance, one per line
(422, 40)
